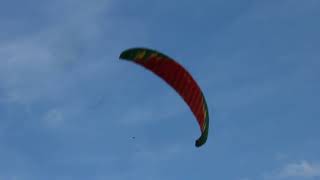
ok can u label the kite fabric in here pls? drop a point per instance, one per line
(178, 78)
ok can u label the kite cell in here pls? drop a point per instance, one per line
(178, 78)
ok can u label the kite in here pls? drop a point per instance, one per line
(178, 78)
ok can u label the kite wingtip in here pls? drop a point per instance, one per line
(202, 139)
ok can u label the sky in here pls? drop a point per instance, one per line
(69, 108)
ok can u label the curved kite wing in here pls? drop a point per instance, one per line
(178, 78)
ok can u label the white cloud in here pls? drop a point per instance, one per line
(300, 169)
(45, 68)
(296, 170)
(42, 55)
(54, 118)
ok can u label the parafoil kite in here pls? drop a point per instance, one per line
(178, 78)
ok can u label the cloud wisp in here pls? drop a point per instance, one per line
(296, 170)
(301, 169)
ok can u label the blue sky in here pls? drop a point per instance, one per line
(69, 108)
